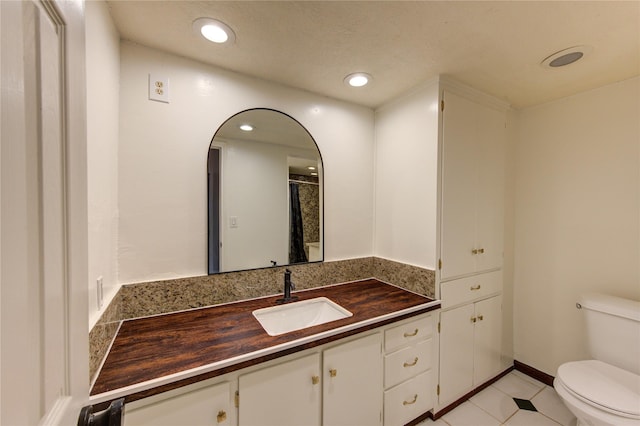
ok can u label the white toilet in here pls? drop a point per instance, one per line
(605, 390)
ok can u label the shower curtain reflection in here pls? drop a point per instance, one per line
(296, 233)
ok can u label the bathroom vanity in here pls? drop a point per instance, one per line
(217, 365)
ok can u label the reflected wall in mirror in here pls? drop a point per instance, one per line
(264, 185)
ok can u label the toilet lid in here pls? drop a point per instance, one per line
(610, 387)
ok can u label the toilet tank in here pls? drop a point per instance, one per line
(613, 330)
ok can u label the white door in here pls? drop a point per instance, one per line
(490, 190)
(287, 394)
(204, 406)
(473, 145)
(456, 352)
(352, 388)
(487, 339)
(459, 182)
(43, 220)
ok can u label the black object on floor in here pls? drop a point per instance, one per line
(524, 404)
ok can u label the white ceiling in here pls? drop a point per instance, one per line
(494, 46)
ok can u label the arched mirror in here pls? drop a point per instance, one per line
(264, 193)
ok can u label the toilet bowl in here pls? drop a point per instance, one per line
(605, 391)
(599, 394)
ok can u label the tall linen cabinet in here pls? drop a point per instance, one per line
(439, 170)
(470, 240)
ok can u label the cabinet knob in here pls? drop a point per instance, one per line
(474, 251)
(480, 251)
(413, 401)
(315, 380)
(480, 317)
(411, 364)
(473, 319)
(474, 287)
(411, 334)
(333, 372)
(222, 416)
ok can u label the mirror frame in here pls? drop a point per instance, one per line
(321, 193)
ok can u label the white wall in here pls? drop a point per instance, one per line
(406, 178)
(163, 152)
(509, 224)
(577, 216)
(103, 75)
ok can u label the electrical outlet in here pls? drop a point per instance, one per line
(158, 88)
(99, 293)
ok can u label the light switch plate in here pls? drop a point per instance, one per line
(158, 88)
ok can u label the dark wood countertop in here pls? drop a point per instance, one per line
(146, 349)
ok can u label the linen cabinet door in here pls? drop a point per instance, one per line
(456, 352)
(459, 180)
(490, 188)
(207, 406)
(487, 339)
(287, 394)
(352, 383)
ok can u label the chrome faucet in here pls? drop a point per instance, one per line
(288, 286)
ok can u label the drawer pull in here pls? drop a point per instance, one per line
(315, 380)
(222, 416)
(474, 287)
(411, 364)
(415, 398)
(411, 334)
(333, 372)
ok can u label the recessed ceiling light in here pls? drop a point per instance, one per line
(214, 30)
(565, 57)
(357, 79)
(311, 168)
(314, 174)
(246, 127)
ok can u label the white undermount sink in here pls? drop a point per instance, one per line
(298, 315)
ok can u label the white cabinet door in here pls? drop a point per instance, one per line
(490, 188)
(472, 179)
(352, 383)
(470, 347)
(459, 175)
(208, 406)
(487, 339)
(456, 352)
(284, 394)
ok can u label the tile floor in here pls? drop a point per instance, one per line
(500, 403)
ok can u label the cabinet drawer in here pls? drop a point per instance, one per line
(407, 333)
(407, 362)
(465, 290)
(409, 400)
